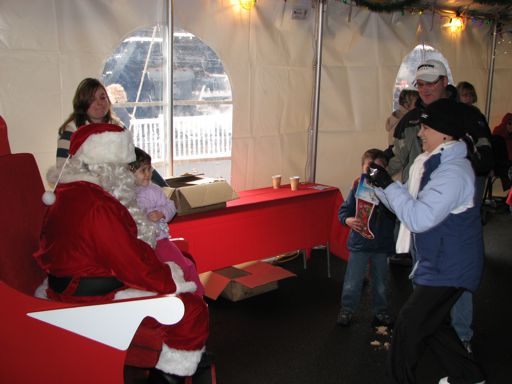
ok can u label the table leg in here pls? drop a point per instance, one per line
(328, 255)
(307, 252)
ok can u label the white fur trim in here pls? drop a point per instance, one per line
(179, 280)
(40, 292)
(178, 361)
(132, 293)
(129, 293)
(107, 147)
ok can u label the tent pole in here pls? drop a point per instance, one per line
(313, 129)
(490, 77)
(169, 111)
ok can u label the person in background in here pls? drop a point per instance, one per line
(117, 95)
(481, 151)
(160, 210)
(364, 250)
(466, 93)
(478, 128)
(504, 129)
(406, 101)
(96, 247)
(431, 80)
(437, 207)
(90, 105)
(502, 145)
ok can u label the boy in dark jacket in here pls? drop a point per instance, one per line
(371, 242)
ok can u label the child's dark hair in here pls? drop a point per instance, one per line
(141, 158)
(375, 154)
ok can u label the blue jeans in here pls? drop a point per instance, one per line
(462, 316)
(354, 277)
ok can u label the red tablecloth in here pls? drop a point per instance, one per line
(263, 223)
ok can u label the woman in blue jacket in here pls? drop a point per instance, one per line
(437, 207)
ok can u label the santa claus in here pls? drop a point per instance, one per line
(96, 246)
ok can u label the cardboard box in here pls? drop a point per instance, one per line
(193, 193)
(243, 280)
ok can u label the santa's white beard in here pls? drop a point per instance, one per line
(120, 182)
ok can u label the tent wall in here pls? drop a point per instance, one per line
(362, 54)
(48, 46)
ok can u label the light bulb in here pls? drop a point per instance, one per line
(247, 4)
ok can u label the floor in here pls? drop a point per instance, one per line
(290, 336)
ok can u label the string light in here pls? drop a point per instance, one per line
(456, 24)
(504, 44)
(247, 4)
(404, 6)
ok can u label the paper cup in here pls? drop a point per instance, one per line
(276, 181)
(294, 182)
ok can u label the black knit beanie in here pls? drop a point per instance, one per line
(444, 115)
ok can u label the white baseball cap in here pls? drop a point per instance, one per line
(430, 71)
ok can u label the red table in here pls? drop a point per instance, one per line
(264, 223)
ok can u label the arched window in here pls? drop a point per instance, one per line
(407, 71)
(135, 76)
(202, 110)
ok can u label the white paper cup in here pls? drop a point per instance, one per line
(276, 181)
(294, 183)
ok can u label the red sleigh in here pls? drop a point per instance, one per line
(45, 341)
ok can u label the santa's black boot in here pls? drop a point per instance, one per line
(157, 376)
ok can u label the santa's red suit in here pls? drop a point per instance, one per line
(89, 233)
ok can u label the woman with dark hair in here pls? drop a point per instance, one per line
(91, 104)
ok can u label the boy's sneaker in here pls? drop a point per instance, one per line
(446, 380)
(381, 319)
(344, 318)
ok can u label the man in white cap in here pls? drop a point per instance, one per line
(431, 80)
(96, 246)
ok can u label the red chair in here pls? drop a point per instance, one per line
(4, 143)
(45, 341)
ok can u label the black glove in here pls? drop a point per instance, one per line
(378, 176)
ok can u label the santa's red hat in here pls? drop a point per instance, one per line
(102, 143)
(97, 144)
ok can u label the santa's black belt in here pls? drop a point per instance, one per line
(87, 286)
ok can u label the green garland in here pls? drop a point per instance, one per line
(399, 5)
(493, 2)
(386, 6)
